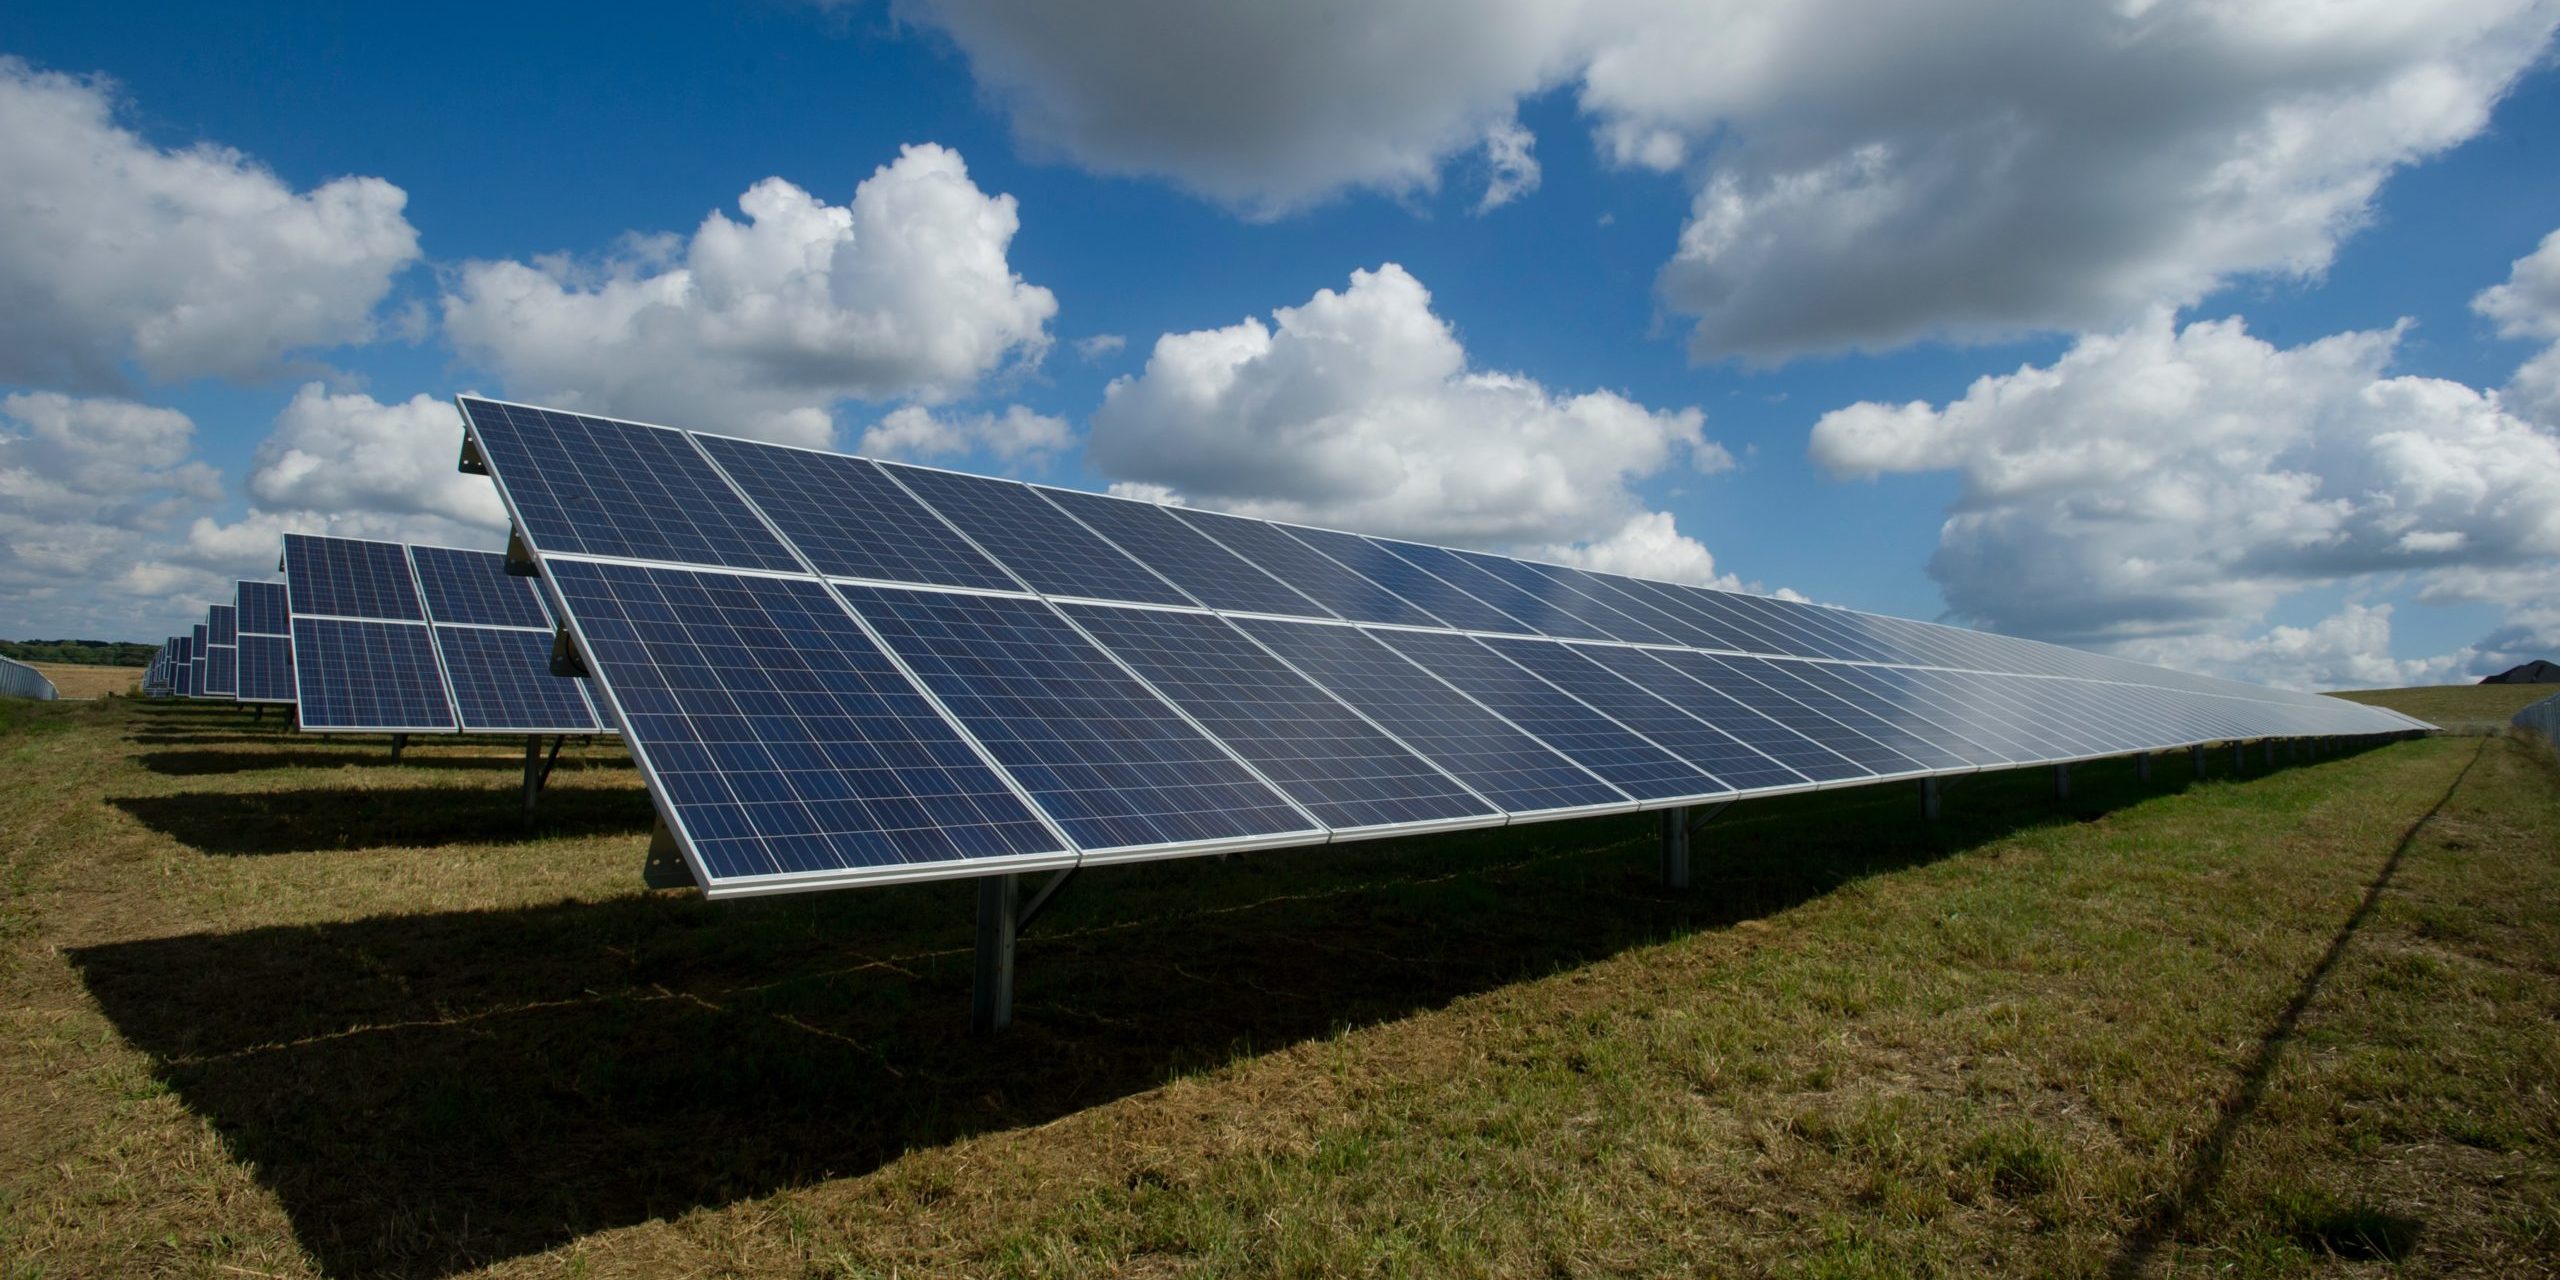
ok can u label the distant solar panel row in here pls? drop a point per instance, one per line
(834, 670)
(393, 639)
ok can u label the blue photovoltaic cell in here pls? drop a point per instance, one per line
(221, 670)
(1341, 767)
(1810, 684)
(473, 588)
(1894, 694)
(1316, 576)
(1695, 695)
(266, 668)
(367, 675)
(349, 578)
(850, 519)
(1734, 678)
(1099, 752)
(1453, 607)
(222, 625)
(785, 741)
(263, 610)
(1545, 618)
(502, 682)
(1036, 540)
(1500, 762)
(1561, 588)
(196, 655)
(1703, 745)
(1211, 573)
(601, 487)
(1588, 738)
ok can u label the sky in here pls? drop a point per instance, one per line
(2224, 335)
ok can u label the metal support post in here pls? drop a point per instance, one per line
(2239, 757)
(1929, 799)
(2269, 747)
(664, 867)
(532, 773)
(1675, 848)
(2195, 756)
(398, 740)
(2062, 782)
(991, 995)
(2142, 767)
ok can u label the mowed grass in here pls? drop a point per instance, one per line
(276, 1006)
(78, 680)
(2459, 708)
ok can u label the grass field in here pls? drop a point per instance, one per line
(74, 680)
(2459, 708)
(275, 1006)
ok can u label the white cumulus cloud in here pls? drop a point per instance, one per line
(761, 327)
(1867, 172)
(2528, 306)
(118, 254)
(1649, 545)
(348, 452)
(1357, 409)
(1016, 437)
(86, 486)
(2167, 481)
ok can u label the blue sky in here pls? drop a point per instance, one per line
(1954, 204)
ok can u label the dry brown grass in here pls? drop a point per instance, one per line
(275, 1006)
(75, 680)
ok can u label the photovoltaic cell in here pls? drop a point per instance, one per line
(221, 670)
(1545, 618)
(1315, 576)
(850, 519)
(1212, 574)
(1103, 756)
(1037, 541)
(1560, 589)
(1590, 739)
(1325, 756)
(473, 588)
(263, 610)
(1704, 746)
(596, 486)
(787, 744)
(356, 674)
(222, 625)
(1695, 695)
(502, 682)
(1737, 678)
(1466, 741)
(1811, 684)
(266, 668)
(196, 655)
(1368, 559)
(349, 578)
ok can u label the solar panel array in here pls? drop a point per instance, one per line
(222, 652)
(386, 638)
(834, 670)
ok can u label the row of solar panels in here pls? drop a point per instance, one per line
(377, 637)
(833, 670)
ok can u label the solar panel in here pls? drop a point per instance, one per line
(1210, 573)
(349, 578)
(595, 486)
(1370, 560)
(266, 668)
(221, 670)
(355, 675)
(781, 742)
(222, 625)
(850, 519)
(502, 683)
(263, 608)
(1470, 743)
(1043, 676)
(1042, 545)
(1114, 766)
(1586, 736)
(1310, 573)
(473, 588)
(1345, 770)
(493, 636)
(196, 661)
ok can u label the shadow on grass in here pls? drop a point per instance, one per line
(433, 1092)
(327, 818)
(185, 764)
(2356, 1232)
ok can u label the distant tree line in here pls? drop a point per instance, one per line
(87, 653)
